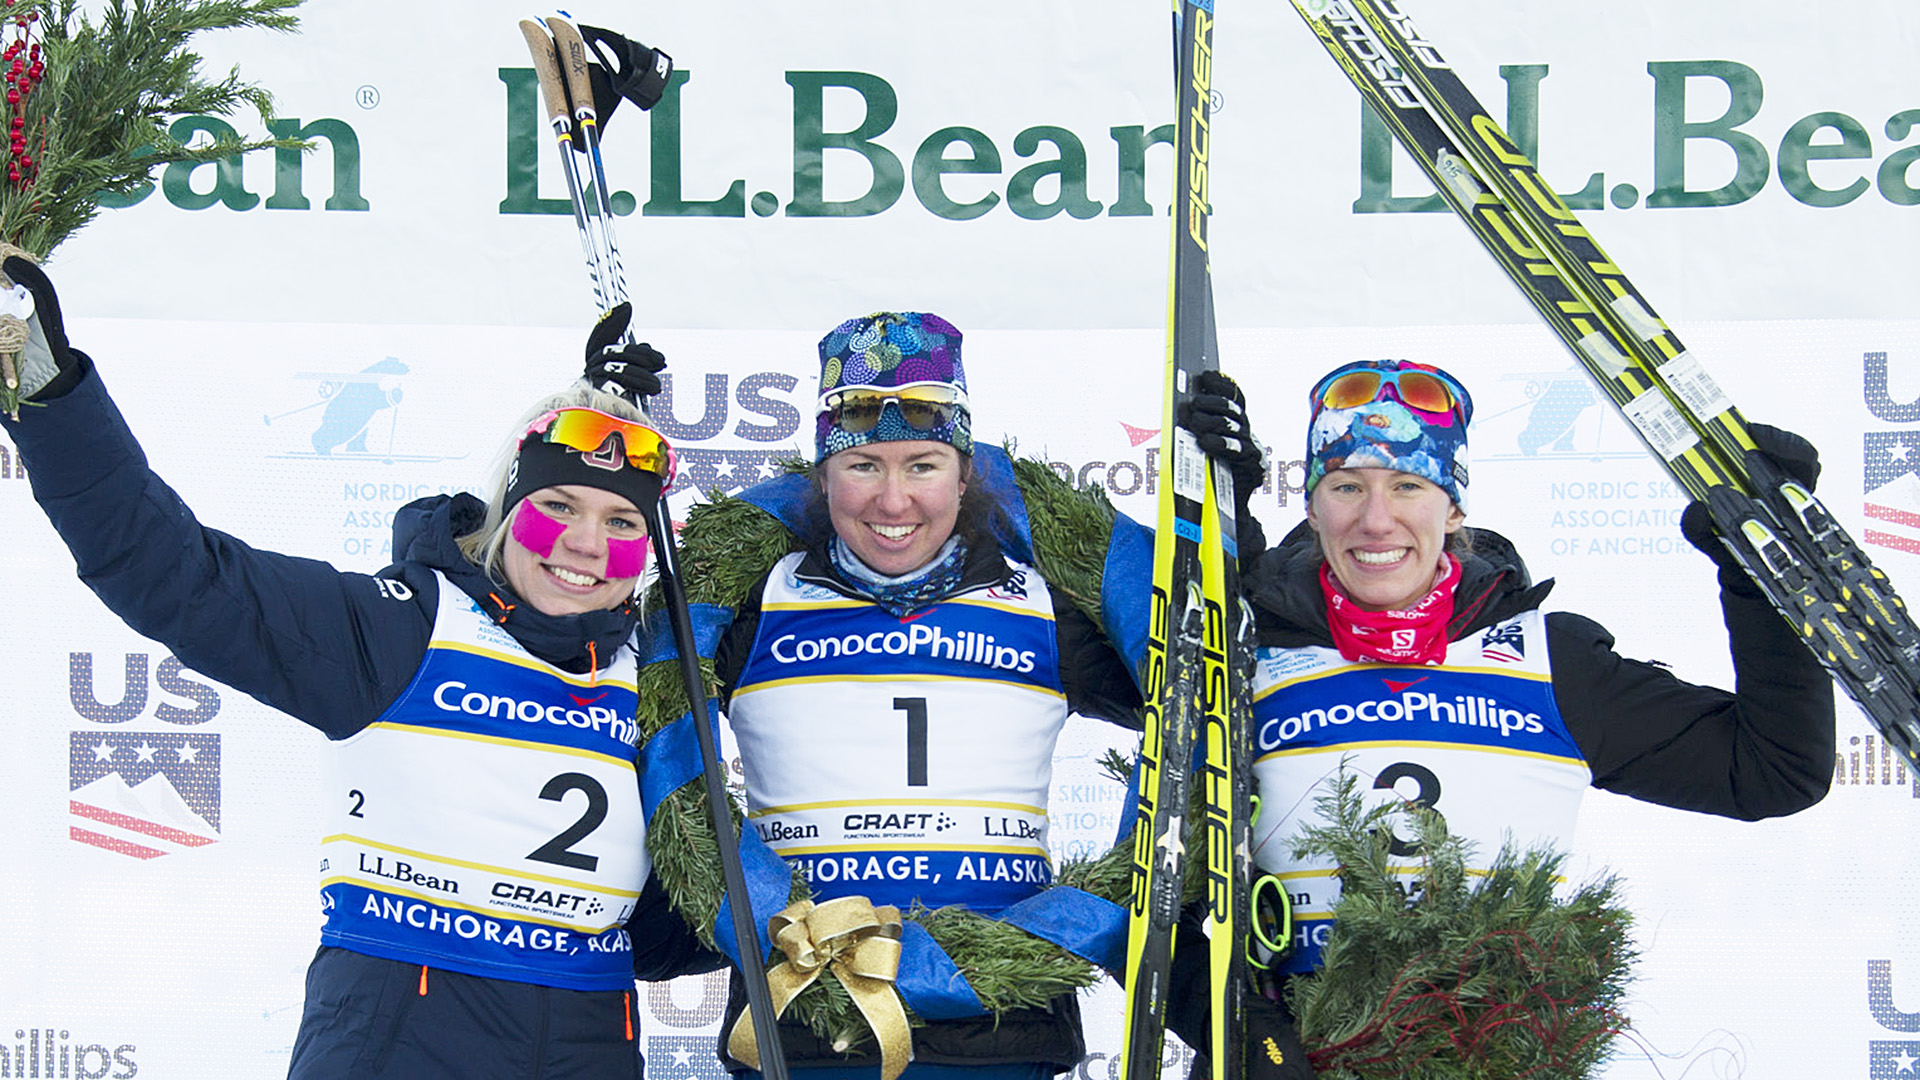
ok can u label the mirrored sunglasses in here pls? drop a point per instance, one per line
(924, 406)
(587, 430)
(1421, 390)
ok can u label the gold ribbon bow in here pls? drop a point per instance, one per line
(860, 943)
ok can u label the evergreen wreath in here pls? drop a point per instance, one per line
(726, 547)
(89, 107)
(1449, 981)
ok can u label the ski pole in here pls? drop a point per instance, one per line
(571, 50)
(773, 1061)
(553, 91)
(609, 287)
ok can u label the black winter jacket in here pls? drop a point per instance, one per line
(1765, 750)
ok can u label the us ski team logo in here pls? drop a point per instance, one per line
(1506, 641)
(144, 794)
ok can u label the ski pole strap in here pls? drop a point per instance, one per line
(627, 69)
(1093, 929)
(1272, 918)
(1125, 600)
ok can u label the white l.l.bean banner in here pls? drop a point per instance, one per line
(307, 343)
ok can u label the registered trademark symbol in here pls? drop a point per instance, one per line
(367, 96)
(1215, 102)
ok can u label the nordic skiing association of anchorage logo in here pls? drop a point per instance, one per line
(359, 416)
(143, 794)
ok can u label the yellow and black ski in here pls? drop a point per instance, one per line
(1199, 650)
(1843, 606)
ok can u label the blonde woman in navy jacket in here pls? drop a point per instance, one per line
(479, 697)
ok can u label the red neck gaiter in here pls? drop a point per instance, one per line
(1416, 635)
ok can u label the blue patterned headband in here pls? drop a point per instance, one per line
(885, 351)
(1384, 431)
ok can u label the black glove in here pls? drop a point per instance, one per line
(1272, 1051)
(48, 365)
(627, 69)
(1216, 414)
(1793, 455)
(630, 370)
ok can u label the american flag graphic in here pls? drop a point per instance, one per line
(1907, 539)
(143, 794)
(1892, 504)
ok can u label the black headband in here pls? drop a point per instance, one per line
(541, 464)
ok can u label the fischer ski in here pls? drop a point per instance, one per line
(1843, 607)
(579, 95)
(1199, 650)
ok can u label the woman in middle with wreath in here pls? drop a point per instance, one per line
(897, 683)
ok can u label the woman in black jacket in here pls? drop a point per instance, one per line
(1399, 645)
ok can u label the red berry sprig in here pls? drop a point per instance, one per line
(24, 69)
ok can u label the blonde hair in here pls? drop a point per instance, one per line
(483, 546)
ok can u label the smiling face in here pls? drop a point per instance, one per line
(894, 504)
(581, 528)
(1384, 533)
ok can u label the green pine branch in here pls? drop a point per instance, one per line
(1439, 976)
(97, 119)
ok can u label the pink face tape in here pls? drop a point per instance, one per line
(539, 533)
(535, 530)
(626, 558)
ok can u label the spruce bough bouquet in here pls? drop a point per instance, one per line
(1437, 977)
(89, 105)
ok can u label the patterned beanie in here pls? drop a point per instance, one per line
(885, 351)
(1386, 433)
